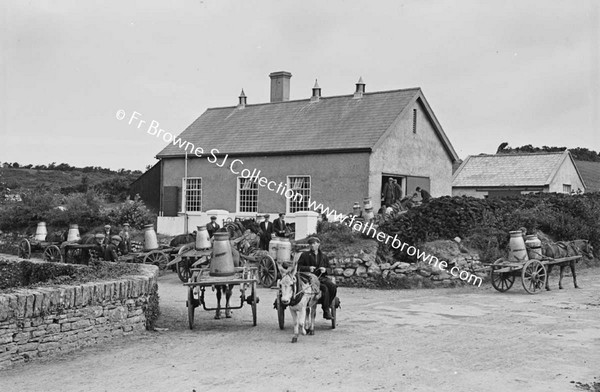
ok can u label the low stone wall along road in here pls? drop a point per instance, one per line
(463, 339)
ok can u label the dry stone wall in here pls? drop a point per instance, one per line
(44, 321)
(360, 266)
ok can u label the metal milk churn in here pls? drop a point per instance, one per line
(221, 262)
(534, 247)
(517, 250)
(41, 232)
(202, 238)
(73, 234)
(150, 240)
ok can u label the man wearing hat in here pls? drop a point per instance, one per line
(316, 262)
(106, 235)
(279, 225)
(212, 226)
(266, 232)
(111, 251)
(126, 237)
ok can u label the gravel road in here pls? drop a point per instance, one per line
(467, 339)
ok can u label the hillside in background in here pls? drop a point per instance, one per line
(114, 185)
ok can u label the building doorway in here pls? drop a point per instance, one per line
(386, 197)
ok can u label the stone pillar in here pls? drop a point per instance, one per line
(306, 223)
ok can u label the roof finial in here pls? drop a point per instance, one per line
(360, 88)
(316, 92)
(242, 103)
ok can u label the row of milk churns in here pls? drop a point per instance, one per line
(41, 232)
(280, 249)
(523, 250)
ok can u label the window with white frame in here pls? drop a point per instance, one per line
(300, 185)
(192, 195)
(247, 195)
(566, 188)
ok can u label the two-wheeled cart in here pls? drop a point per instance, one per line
(533, 273)
(200, 279)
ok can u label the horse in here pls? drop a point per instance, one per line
(300, 293)
(566, 249)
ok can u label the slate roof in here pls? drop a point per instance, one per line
(590, 172)
(503, 170)
(301, 126)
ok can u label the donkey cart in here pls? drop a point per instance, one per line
(533, 273)
(245, 277)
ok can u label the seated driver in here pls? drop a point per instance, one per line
(316, 262)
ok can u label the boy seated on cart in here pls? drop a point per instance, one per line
(316, 262)
(111, 253)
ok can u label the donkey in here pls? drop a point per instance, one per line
(565, 249)
(300, 292)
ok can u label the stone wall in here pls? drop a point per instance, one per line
(57, 319)
(361, 266)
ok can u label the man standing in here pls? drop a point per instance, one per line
(397, 191)
(279, 225)
(316, 262)
(389, 193)
(107, 235)
(212, 226)
(266, 232)
(425, 196)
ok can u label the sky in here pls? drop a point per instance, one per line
(522, 72)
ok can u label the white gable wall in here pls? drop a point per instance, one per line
(412, 154)
(567, 175)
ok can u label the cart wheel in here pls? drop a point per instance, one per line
(191, 307)
(24, 249)
(183, 267)
(334, 305)
(280, 311)
(52, 254)
(157, 258)
(533, 276)
(254, 301)
(267, 270)
(501, 281)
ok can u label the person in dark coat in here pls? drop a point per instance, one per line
(266, 232)
(316, 262)
(397, 191)
(389, 192)
(279, 225)
(111, 253)
(425, 196)
(107, 235)
(212, 226)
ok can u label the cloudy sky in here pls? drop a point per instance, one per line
(524, 72)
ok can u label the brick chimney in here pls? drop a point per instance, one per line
(316, 94)
(360, 88)
(280, 86)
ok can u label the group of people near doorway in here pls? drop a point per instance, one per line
(392, 194)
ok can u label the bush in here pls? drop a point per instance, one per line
(133, 212)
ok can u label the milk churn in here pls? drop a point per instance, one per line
(41, 232)
(284, 250)
(202, 238)
(73, 234)
(367, 203)
(221, 263)
(534, 247)
(516, 245)
(150, 240)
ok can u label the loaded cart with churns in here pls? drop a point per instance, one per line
(527, 260)
(215, 268)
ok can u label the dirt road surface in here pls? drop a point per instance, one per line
(468, 339)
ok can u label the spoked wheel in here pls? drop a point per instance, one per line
(501, 281)
(191, 305)
(280, 312)
(254, 301)
(267, 270)
(183, 267)
(157, 258)
(534, 276)
(52, 254)
(24, 249)
(334, 305)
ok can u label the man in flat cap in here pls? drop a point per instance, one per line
(212, 226)
(111, 251)
(107, 235)
(316, 262)
(279, 225)
(266, 232)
